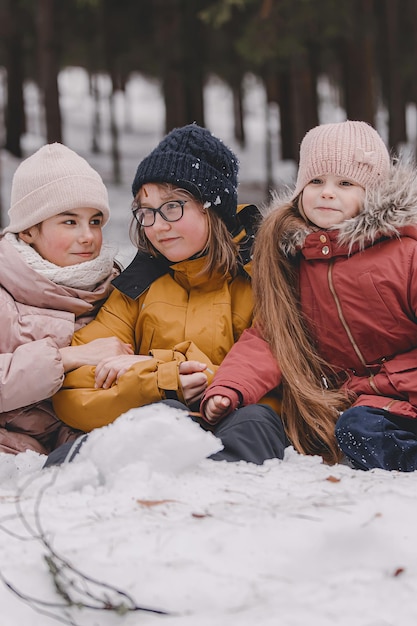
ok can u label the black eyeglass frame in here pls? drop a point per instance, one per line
(136, 209)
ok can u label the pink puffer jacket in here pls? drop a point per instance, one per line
(37, 318)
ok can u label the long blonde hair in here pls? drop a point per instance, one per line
(309, 410)
(220, 251)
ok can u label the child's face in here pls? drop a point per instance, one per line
(329, 200)
(68, 238)
(179, 240)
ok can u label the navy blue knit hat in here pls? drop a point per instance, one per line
(192, 158)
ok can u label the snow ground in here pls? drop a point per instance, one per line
(144, 513)
(291, 542)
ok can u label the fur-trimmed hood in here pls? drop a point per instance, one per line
(388, 208)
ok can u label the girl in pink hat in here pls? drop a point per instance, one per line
(54, 275)
(335, 285)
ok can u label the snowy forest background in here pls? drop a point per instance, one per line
(364, 51)
(142, 519)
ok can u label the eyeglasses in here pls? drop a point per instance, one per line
(170, 211)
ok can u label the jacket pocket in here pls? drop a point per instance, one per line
(402, 374)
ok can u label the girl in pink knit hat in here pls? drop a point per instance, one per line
(54, 275)
(335, 284)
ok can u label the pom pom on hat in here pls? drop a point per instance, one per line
(53, 180)
(351, 149)
(193, 159)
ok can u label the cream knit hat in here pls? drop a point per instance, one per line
(351, 149)
(53, 180)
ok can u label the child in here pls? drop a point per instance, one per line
(184, 300)
(334, 274)
(54, 275)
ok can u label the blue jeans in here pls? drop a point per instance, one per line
(375, 438)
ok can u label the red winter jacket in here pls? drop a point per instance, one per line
(358, 289)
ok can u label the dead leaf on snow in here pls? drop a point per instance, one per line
(399, 571)
(333, 479)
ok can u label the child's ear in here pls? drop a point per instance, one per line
(26, 235)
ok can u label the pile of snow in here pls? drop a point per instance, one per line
(161, 437)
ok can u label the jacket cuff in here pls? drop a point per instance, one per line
(167, 377)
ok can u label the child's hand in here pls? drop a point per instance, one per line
(93, 352)
(193, 380)
(216, 407)
(111, 368)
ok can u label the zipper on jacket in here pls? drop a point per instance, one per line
(347, 329)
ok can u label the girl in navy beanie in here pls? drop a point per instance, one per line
(182, 303)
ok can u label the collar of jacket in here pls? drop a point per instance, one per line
(140, 274)
(325, 245)
(145, 269)
(390, 210)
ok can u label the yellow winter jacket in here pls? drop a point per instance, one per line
(179, 316)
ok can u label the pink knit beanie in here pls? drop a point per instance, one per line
(351, 149)
(53, 180)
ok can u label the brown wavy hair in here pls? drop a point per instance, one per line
(309, 409)
(220, 251)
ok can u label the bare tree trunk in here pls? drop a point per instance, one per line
(169, 42)
(181, 53)
(95, 137)
(169, 36)
(193, 61)
(15, 113)
(358, 67)
(239, 127)
(110, 46)
(49, 53)
(114, 134)
(286, 115)
(268, 150)
(412, 16)
(295, 91)
(393, 81)
(304, 98)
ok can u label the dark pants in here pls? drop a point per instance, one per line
(253, 433)
(374, 438)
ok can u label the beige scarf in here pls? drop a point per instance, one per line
(85, 276)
